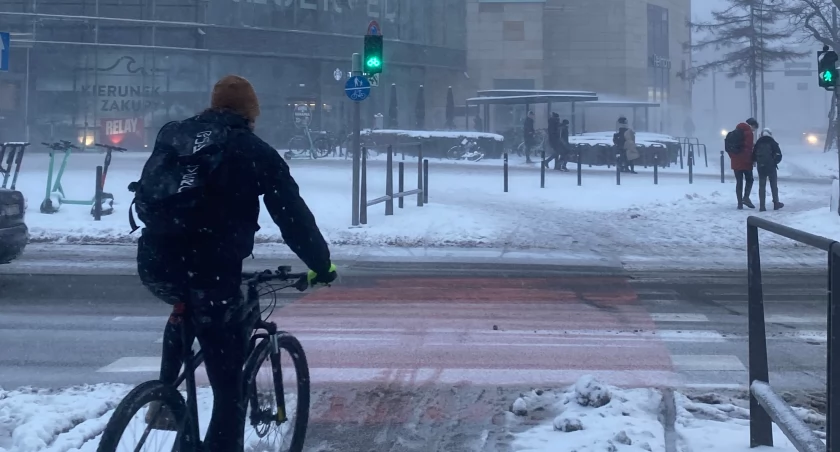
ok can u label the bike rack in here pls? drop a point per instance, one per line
(14, 157)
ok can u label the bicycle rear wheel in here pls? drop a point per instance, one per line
(298, 145)
(321, 148)
(137, 426)
(270, 428)
(454, 153)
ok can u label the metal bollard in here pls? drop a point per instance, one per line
(420, 175)
(542, 169)
(690, 166)
(97, 197)
(506, 172)
(425, 181)
(363, 190)
(579, 168)
(389, 182)
(656, 168)
(681, 157)
(617, 169)
(401, 182)
(722, 178)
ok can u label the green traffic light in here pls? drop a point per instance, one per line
(374, 62)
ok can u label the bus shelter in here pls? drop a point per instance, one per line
(635, 107)
(486, 98)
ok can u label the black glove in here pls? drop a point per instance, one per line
(326, 278)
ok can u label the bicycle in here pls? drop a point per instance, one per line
(466, 150)
(265, 410)
(300, 145)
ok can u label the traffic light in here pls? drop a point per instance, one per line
(827, 64)
(373, 54)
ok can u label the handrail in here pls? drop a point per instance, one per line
(766, 406)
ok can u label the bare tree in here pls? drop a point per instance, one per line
(818, 18)
(749, 32)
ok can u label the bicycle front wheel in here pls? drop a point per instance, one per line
(298, 145)
(454, 153)
(321, 149)
(150, 418)
(277, 417)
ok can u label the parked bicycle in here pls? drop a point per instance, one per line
(467, 150)
(267, 406)
(539, 136)
(308, 146)
(366, 141)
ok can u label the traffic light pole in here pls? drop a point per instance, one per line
(357, 155)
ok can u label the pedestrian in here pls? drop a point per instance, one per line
(565, 146)
(739, 145)
(530, 135)
(618, 143)
(631, 152)
(477, 123)
(553, 140)
(767, 156)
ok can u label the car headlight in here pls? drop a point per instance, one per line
(812, 139)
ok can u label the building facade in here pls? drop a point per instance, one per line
(119, 69)
(625, 50)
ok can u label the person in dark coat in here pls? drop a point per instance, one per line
(529, 134)
(619, 143)
(553, 140)
(565, 147)
(767, 155)
(742, 164)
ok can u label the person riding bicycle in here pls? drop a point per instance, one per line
(198, 197)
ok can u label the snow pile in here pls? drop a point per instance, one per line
(642, 138)
(434, 134)
(72, 419)
(591, 416)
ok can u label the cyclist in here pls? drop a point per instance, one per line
(198, 197)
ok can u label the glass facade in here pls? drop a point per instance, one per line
(120, 80)
(659, 63)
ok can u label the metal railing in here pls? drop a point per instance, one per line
(421, 191)
(766, 407)
(13, 153)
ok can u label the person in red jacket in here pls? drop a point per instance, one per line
(742, 164)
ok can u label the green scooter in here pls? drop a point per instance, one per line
(55, 196)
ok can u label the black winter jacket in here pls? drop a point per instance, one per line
(554, 133)
(529, 133)
(250, 168)
(774, 146)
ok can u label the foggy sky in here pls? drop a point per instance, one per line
(701, 9)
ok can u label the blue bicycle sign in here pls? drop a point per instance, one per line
(357, 88)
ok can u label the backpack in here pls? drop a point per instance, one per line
(764, 155)
(173, 195)
(734, 141)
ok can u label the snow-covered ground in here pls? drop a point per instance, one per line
(72, 419)
(695, 225)
(590, 416)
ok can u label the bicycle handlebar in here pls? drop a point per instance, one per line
(60, 145)
(283, 273)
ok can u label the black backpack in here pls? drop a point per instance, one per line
(764, 155)
(173, 195)
(734, 141)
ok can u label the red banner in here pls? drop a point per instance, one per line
(128, 133)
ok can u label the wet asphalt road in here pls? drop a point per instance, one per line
(428, 357)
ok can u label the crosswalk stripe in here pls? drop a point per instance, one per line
(707, 363)
(660, 317)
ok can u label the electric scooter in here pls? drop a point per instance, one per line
(55, 196)
(15, 156)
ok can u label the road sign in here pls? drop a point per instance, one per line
(303, 116)
(5, 45)
(357, 88)
(338, 74)
(373, 28)
(373, 79)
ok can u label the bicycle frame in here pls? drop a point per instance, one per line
(192, 360)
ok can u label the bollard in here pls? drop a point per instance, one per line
(617, 169)
(506, 172)
(425, 181)
(363, 190)
(389, 182)
(690, 166)
(579, 169)
(97, 197)
(681, 157)
(420, 176)
(542, 169)
(401, 182)
(656, 168)
(705, 155)
(722, 178)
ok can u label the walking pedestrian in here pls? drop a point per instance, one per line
(553, 140)
(767, 156)
(739, 145)
(631, 152)
(565, 146)
(530, 135)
